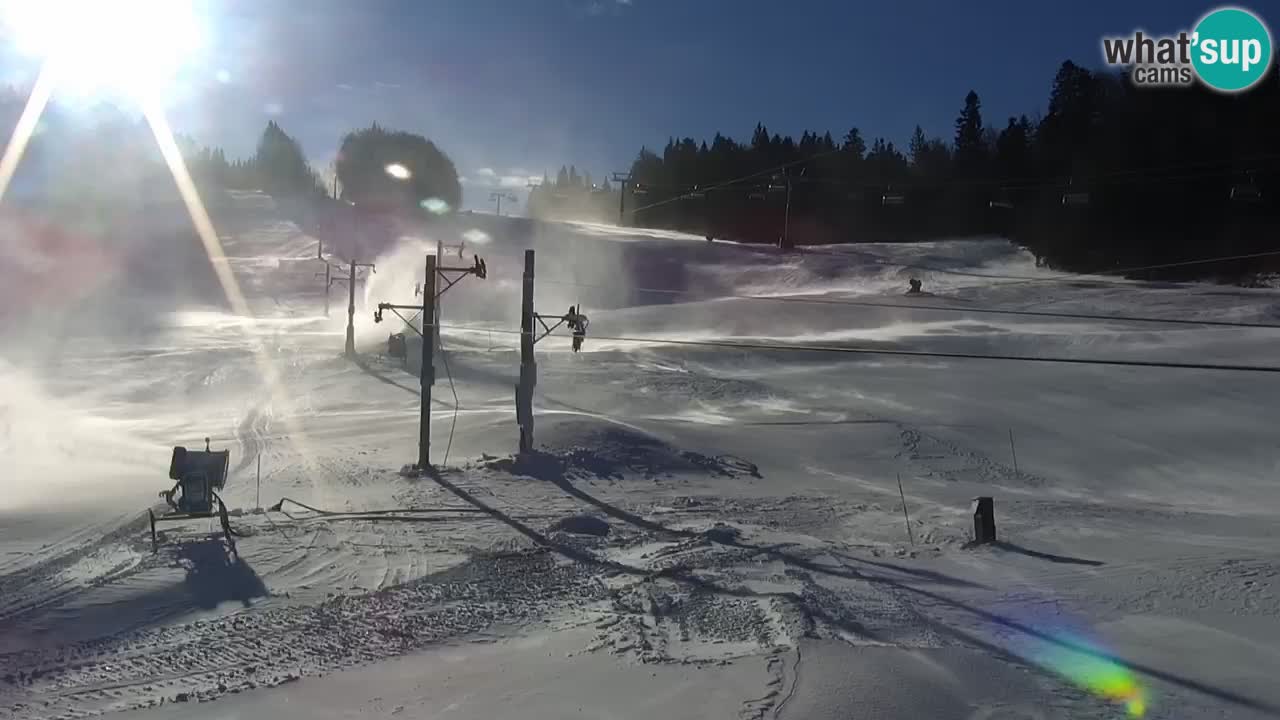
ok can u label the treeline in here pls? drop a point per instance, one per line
(573, 196)
(429, 183)
(86, 159)
(1111, 176)
(278, 167)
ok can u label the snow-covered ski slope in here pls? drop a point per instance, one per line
(757, 563)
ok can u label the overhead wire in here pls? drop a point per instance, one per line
(743, 178)
(1019, 280)
(1140, 268)
(750, 345)
(453, 426)
(1152, 171)
(939, 308)
(1021, 183)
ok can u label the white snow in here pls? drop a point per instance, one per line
(757, 563)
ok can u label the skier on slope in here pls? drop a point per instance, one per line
(578, 324)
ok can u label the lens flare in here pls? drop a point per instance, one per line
(135, 46)
(398, 171)
(435, 206)
(1088, 668)
(25, 128)
(230, 286)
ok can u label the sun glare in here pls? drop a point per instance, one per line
(132, 46)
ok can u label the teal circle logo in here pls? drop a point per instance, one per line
(1231, 49)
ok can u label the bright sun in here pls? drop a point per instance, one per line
(131, 46)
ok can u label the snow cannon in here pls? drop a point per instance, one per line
(397, 346)
(199, 474)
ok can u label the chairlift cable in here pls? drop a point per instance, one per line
(444, 357)
(947, 308)
(739, 345)
(1020, 183)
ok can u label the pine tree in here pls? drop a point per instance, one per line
(854, 146)
(970, 147)
(361, 170)
(918, 146)
(281, 166)
(760, 138)
(1013, 149)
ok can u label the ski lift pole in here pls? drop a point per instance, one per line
(351, 306)
(351, 313)
(528, 339)
(528, 367)
(786, 216)
(328, 276)
(623, 179)
(435, 335)
(428, 372)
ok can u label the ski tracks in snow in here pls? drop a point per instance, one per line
(203, 659)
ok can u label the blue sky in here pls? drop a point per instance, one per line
(517, 87)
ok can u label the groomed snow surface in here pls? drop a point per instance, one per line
(704, 532)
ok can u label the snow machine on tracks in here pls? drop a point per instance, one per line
(199, 474)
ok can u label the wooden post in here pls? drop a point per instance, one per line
(1014, 451)
(528, 367)
(259, 500)
(905, 516)
(428, 373)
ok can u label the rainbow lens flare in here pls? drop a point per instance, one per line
(1091, 670)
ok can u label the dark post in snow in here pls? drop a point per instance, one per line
(428, 373)
(622, 202)
(528, 368)
(622, 179)
(786, 217)
(351, 312)
(328, 275)
(984, 520)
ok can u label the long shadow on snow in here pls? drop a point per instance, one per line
(929, 575)
(607, 452)
(1046, 556)
(215, 575)
(212, 576)
(677, 574)
(993, 618)
(372, 372)
(730, 540)
(547, 467)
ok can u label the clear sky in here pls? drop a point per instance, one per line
(511, 88)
